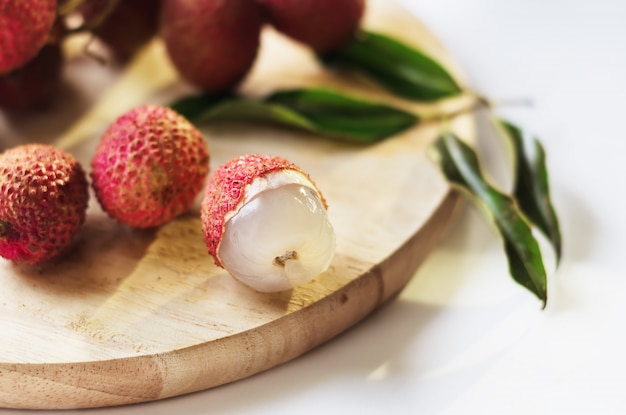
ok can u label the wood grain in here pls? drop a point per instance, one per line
(130, 316)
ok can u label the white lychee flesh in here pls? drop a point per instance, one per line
(280, 237)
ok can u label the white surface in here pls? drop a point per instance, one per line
(464, 338)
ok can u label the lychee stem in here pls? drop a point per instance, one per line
(477, 102)
(280, 260)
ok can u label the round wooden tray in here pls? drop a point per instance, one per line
(130, 316)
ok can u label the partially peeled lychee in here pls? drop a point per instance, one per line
(212, 43)
(323, 25)
(43, 200)
(24, 29)
(265, 222)
(149, 166)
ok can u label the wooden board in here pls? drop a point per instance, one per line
(130, 316)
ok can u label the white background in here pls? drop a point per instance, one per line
(464, 338)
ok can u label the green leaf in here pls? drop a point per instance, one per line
(319, 111)
(401, 69)
(460, 165)
(244, 110)
(531, 187)
(338, 115)
(193, 106)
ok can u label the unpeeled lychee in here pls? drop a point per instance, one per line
(265, 222)
(34, 85)
(43, 199)
(24, 29)
(125, 26)
(149, 166)
(212, 43)
(324, 25)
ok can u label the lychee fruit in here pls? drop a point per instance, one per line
(34, 85)
(43, 200)
(24, 29)
(127, 27)
(149, 166)
(265, 222)
(323, 25)
(212, 43)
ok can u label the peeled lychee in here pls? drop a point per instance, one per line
(34, 85)
(24, 29)
(324, 25)
(265, 222)
(126, 27)
(149, 166)
(43, 199)
(212, 43)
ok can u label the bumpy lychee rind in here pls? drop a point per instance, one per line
(149, 166)
(24, 29)
(227, 188)
(324, 25)
(212, 43)
(43, 200)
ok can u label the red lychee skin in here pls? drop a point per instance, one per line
(324, 25)
(34, 85)
(24, 29)
(43, 200)
(226, 189)
(212, 43)
(128, 27)
(149, 166)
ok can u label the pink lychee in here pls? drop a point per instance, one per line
(149, 166)
(24, 29)
(43, 200)
(324, 25)
(212, 43)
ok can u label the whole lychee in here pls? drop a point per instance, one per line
(125, 26)
(212, 43)
(149, 166)
(34, 85)
(324, 25)
(43, 200)
(24, 29)
(265, 222)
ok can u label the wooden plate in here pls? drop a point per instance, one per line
(130, 316)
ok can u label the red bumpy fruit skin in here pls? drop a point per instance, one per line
(212, 43)
(226, 189)
(43, 200)
(149, 166)
(24, 29)
(324, 25)
(34, 85)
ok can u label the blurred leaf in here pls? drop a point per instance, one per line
(319, 111)
(193, 106)
(460, 165)
(342, 116)
(531, 187)
(401, 69)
